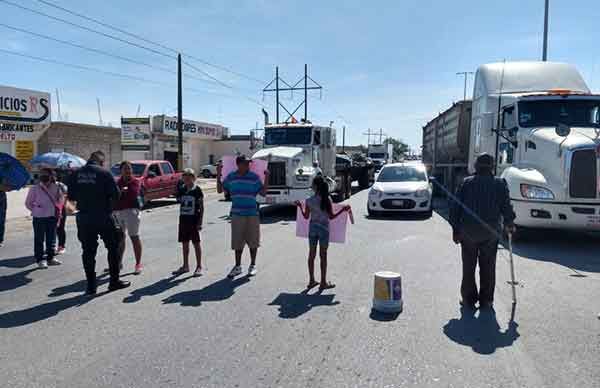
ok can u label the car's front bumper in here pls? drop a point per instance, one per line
(555, 215)
(284, 196)
(388, 203)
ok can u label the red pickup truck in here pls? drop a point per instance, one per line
(158, 178)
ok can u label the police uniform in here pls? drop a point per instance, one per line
(95, 191)
(482, 200)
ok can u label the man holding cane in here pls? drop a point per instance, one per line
(475, 216)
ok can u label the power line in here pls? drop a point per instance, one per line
(101, 23)
(97, 51)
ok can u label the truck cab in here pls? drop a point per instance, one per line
(547, 143)
(296, 153)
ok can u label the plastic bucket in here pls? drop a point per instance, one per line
(387, 295)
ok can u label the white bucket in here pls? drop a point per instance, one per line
(387, 295)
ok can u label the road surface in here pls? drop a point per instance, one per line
(265, 332)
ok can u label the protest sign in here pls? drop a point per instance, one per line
(337, 226)
(257, 166)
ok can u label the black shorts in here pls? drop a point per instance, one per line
(188, 231)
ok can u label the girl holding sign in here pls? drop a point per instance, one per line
(320, 210)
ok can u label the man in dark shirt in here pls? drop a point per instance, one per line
(3, 205)
(94, 190)
(481, 202)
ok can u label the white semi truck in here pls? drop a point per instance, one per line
(380, 154)
(542, 123)
(296, 153)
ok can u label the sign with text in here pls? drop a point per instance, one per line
(193, 129)
(23, 113)
(24, 150)
(337, 226)
(135, 134)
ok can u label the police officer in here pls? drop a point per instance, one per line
(481, 201)
(94, 190)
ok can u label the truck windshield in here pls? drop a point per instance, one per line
(138, 169)
(572, 112)
(287, 136)
(375, 155)
(402, 174)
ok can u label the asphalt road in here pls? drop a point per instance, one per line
(265, 332)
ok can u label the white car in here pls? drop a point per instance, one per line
(401, 187)
(208, 171)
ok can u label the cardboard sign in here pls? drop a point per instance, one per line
(337, 226)
(257, 166)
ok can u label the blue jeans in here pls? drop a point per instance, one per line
(318, 234)
(2, 214)
(44, 230)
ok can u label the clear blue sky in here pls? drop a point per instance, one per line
(383, 64)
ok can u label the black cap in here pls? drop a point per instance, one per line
(242, 159)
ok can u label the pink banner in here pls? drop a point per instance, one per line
(257, 166)
(337, 226)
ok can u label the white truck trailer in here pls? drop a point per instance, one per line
(380, 154)
(542, 123)
(296, 153)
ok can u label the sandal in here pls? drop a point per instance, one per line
(326, 286)
(198, 272)
(312, 284)
(180, 271)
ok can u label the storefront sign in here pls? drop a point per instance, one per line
(135, 134)
(24, 150)
(193, 129)
(23, 110)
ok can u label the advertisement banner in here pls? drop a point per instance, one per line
(23, 113)
(135, 134)
(193, 129)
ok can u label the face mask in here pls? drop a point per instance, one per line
(45, 179)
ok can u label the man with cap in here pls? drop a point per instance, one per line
(481, 202)
(243, 186)
(94, 190)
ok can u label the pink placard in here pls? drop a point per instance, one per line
(257, 166)
(337, 226)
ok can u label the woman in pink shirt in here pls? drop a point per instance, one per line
(44, 201)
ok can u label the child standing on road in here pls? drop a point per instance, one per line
(191, 213)
(320, 210)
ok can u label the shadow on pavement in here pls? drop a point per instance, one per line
(160, 203)
(294, 305)
(77, 287)
(18, 262)
(383, 317)
(275, 214)
(16, 280)
(155, 288)
(481, 333)
(39, 313)
(215, 292)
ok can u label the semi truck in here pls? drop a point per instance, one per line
(296, 153)
(542, 124)
(380, 154)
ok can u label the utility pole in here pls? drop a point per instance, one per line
(466, 74)
(276, 94)
(545, 52)
(179, 117)
(58, 105)
(343, 138)
(305, 92)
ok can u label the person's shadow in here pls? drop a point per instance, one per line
(155, 288)
(16, 280)
(215, 292)
(294, 305)
(40, 312)
(481, 333)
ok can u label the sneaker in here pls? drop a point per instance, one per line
(252, 270)
(54, 261)
(237, 270)
(138, 269)
(43, 264)
(1, 244)
(60, 251)
(198, 272)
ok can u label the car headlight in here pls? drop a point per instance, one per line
(535, 192)
(421, 193)
(375, 193)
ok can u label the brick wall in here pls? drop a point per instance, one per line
(82, 140)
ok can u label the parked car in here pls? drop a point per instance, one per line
(158, 178)
(208, 171)
(401, 187)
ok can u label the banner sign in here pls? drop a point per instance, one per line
(23, 112)
(337, 226)
(257, 166)
(135, 134)
(24, 151)
(193, 129)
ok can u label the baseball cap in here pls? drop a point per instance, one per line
(189, 171)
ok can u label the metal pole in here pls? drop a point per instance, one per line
(277, 95)
(344, 138)
(305, 92)
(466, 75)
(545, 52)
(179, 117)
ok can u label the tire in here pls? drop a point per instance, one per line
(206, 174)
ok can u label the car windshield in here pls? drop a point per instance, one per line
(377, 155)
(138, 169)
(287, 136)
(402, 174)
(572, 112)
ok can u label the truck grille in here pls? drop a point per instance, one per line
(583, 175)
(276, 174)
